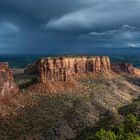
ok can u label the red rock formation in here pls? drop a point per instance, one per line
(61, 68)
(137, 72)
(7, 85)
(123, 68)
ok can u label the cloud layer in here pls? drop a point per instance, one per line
(51, 26)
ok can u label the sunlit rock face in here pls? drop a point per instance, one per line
(7, 86)
(61, 68)
(137, 72)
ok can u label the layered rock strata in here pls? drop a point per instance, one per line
(7, 85)
(61, 68)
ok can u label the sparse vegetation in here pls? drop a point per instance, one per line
(126, 131)
(90, 114)
(116, 128)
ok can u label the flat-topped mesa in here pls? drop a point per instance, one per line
(61, 68)
(7, 85)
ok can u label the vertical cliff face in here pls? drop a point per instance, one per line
(7, 85)
(61, 68)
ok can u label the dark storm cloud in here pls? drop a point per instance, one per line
(104, 15)
(8, 33)
(38, 11)
(64, 25)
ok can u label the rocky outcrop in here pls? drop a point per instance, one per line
(137, 72)
(7, 85)
(32, 68)
(61, 68)
(123, 68)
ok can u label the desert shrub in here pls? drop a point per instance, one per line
(103, 135)
(125, 131)
(130, 123)
(131, 136)
(132, 108)
(118, 130)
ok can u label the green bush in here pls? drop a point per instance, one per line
(118, 130)
(130, 123)
(125, 131)
(103, 135)
(131, 136)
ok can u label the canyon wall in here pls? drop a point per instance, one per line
(7, 85)
(61, 68)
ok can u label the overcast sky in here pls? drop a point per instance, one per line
(68, 26)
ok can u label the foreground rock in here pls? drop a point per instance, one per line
(7, 85)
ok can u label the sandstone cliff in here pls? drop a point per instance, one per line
(61, 68)
(7, 85)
